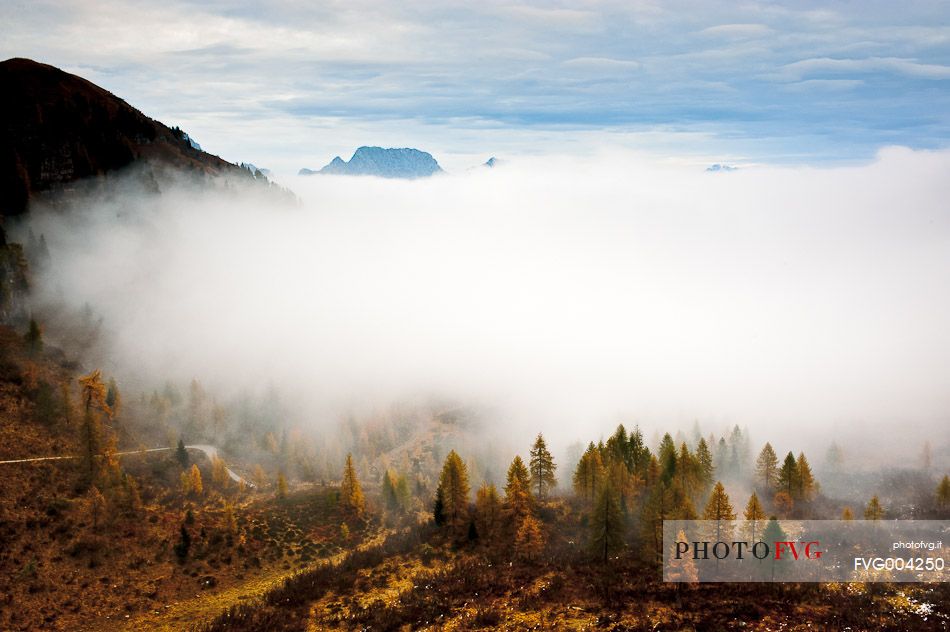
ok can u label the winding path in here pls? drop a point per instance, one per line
(209, 451)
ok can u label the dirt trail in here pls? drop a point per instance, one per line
(185, 615)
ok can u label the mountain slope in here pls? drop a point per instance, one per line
(384, 163)
(56, 128)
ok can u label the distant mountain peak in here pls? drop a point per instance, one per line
(720, 167)
(382, 162)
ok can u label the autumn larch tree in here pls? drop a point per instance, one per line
(783, 503)
(282, 486)
(589, 475)
(805, 481)
(529, 541)
(719, 508)
(847, 514)
(542, 468)
(873, 511)
(607, 525)
(94, 444)
(766, 468)
(487, 511)
(453, 481)
(943, 493)
(518, 499)
(682, 569)
(754, 513)
(351, 493)
(195, 485)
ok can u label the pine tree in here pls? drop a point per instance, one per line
(834, 458)
(453, 481)
(754, 513)
(438, 508)
(705, 460)
(389, 492)
(281, 486)
(788, 476)
(34, 337)
(181, 454)
(529, 541)
(351, 493)
(667, 458)
(847, 514)
(184, 543)
(589, 475)
(943, 492)
(542, 468)
(805, 481)
(766, 468)
(606, 525)
(873, 511)
(113, 398)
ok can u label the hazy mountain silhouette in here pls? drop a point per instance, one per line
(58, 128)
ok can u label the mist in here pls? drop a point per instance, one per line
(561, 294)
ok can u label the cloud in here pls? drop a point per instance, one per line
(562, 292)
(624, 67)
(826, 65)
(731, 31)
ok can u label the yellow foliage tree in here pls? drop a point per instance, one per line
(351, 493)
(529, 541)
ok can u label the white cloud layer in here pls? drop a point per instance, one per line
(565, 293)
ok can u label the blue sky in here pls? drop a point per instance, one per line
(286, 84)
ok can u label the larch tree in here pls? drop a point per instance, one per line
(453, 481)
(542, 468)
(607, 525)
(487, 511)
(529, 540)
(719, 508)
(874, 511)
(847, 514)
(389, 491)
(783, 502)
(766, 467)
(754, 513)
(282, 486)
(195, 485)
(589, 474)
(682, 569)
(805, 481)
(518, 499)
(943, 492)
(92, 439)
(351, 493)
